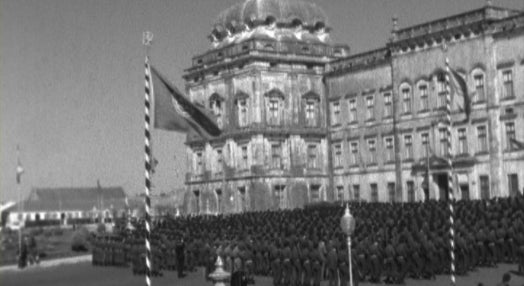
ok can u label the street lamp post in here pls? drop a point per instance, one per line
(347, 223)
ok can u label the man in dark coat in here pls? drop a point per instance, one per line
(180, 256)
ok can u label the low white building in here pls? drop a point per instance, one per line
(62, 204)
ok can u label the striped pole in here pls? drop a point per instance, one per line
(450, 176)
(147, 154)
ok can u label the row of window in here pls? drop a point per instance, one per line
(422, 93)
(356, 156)
(353, 191)
(274, 108)
(279, 196)
(370, 157)
(276, 158)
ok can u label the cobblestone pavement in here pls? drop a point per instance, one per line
(83, 274)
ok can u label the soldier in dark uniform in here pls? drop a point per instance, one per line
(332, 265)
(343, 265)
(296, 263)
(376, 263)
(306, 264)
(287, 264)
(180, 256)
(316, 265)
(276, 267)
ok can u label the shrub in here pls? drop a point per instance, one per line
(37, 231)
(58, 232)
(79, 242)
(101, 228)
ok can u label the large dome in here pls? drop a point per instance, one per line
(280, 11)
(251, 14)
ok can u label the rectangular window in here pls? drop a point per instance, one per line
(441, 90)
(336, 113)
(482, 137)
(280, 196)
(443, 142)
(391, 192)
(219, 160)
(242, 199)
(242, 112)
(311, 113)
(244, 159)
(424, 137)
(408, 144)
(340, 193)
(199, 163)
(216, 107)
(276, 156)
(353, 110)
(411, 191)
(510, 136)
(424, 99)
(337, 155)
(354, 153)
(406, 100)
(484, 187)
(463, 141)
(479, 87)
(315, 193)
(513, 184)
(390, 157)
(507, 79)
(274, 113)
(312, 156)
(356, 192)
(388, 105)
(374, 192)
(372, 159)
(370, 107)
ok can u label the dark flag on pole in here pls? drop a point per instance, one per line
(174, 112)
(515, 144)
(459, 87)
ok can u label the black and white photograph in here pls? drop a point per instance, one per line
(262, 142)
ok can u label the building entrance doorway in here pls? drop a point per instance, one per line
(442, 183)
(464, 190)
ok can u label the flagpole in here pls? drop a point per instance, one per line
(20, 208)
(147, 39)
(450, 173)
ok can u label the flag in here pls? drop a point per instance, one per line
(515, 144)
(19, 168)
(460, 87)
(19, 172)
(174, 112)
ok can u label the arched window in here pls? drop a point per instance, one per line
(480, 89)
(274, 107)
(216, 104)
(242, 108)
(441, 88)
(311, 102)
(407, 98)
(423, 95)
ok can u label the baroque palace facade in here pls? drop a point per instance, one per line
(305, 121)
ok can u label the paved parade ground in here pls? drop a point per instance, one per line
(83, 274)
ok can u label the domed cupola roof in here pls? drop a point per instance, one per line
(256, 17)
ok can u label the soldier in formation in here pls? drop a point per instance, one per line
(306, 246)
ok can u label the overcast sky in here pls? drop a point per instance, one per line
(71, 80)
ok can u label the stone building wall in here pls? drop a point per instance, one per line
(379, 104)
